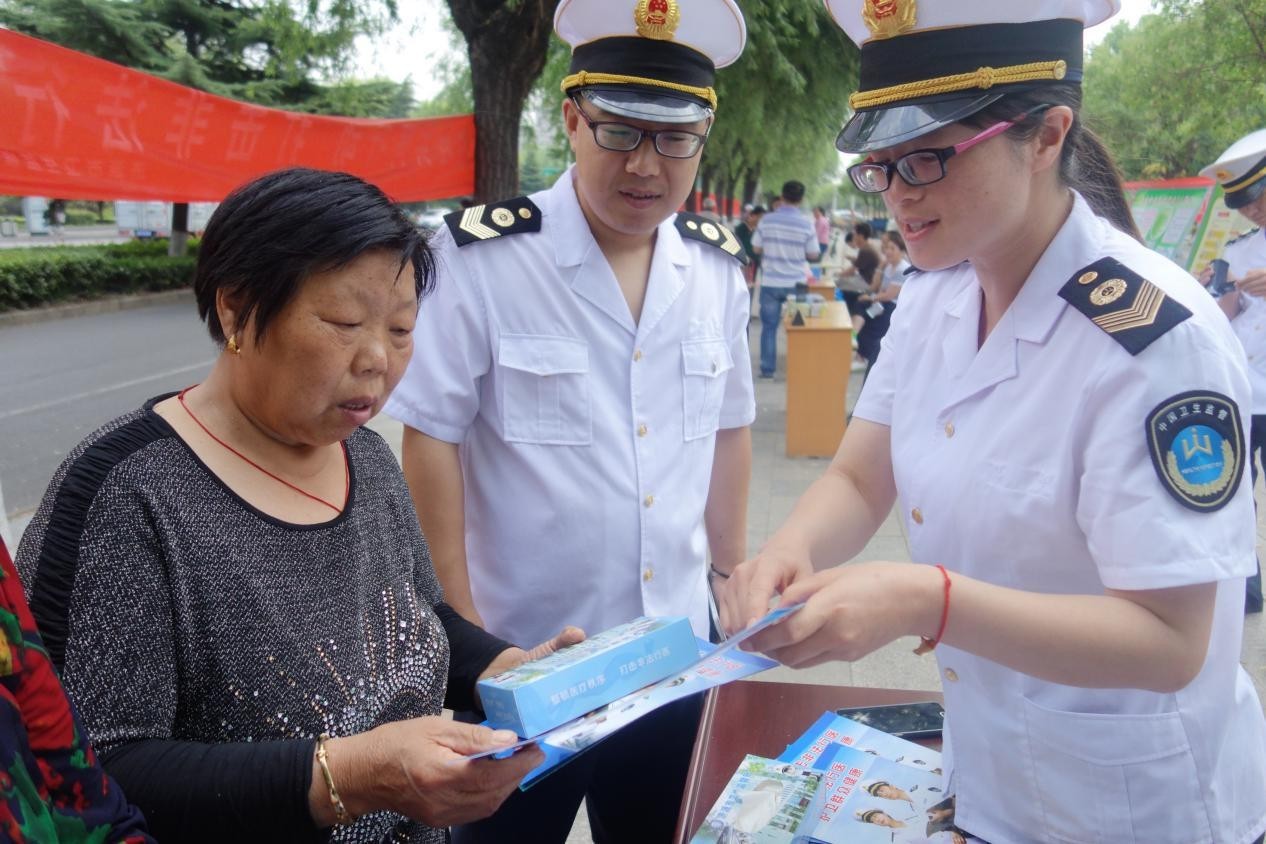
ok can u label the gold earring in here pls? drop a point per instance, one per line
(232, 345)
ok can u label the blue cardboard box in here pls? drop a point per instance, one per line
(539, 695)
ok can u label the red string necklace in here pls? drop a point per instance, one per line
(347, 478)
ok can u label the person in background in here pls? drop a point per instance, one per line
(232, 581)
(578, 442)
(710, 210)
(879, 305)
(1062, 415)
(1241, 170)
(52, 788)
(743, 231)
(822, 226)
(786, 241)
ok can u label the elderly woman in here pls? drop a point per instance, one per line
(232, 580)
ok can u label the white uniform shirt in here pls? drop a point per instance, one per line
(1024, 463)
(586, 440)
(1249, 253)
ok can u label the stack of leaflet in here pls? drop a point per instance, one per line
(586, 678)
(840, 783)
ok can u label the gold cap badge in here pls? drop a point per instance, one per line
(889, 18)
(657, 19)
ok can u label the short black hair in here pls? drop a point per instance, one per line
(272, 233)
(864, 230)
(793, 191)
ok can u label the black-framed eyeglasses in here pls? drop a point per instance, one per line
(921, 167)
(621, 137)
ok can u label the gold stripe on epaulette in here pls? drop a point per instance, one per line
(472, 223)
(1139, 315)
(729, 242)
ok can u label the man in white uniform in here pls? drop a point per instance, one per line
(1242, 172)
(578, 404)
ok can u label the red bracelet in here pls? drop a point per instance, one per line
(927, 645)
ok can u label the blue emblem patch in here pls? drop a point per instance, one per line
(1197, 447)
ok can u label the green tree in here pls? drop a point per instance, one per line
(1169, 94)
(782, 103)
(506, 44)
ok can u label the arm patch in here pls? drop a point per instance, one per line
(695, 227)
(486, 222)
(1197, 447)
(1127, 306)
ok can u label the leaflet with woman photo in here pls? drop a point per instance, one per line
(811, 748)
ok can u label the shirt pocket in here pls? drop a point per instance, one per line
(1114, 778)
(704, 364)
(544, 389)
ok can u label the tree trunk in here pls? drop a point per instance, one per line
(179, 243)
(751, 182)
(506, 41)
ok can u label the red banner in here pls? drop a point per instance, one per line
(76, 127)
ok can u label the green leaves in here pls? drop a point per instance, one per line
(1171, 93)
(34, 277)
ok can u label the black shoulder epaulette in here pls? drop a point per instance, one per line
(695, 227)
(911, 270)
(1123, 303)
(485, 222)
(1244, 236)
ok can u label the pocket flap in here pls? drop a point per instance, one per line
(709, 358)
(1107, 739)
(543, 355)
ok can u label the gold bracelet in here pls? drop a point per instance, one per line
(342, 817)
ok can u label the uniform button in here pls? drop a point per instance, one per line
(642, 430)
(637, 355)
(951, 675)
(949, 429)
(917, 515)
(648, 575)
(649, 500)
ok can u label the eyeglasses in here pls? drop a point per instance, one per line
(621, 137)
(921, 167)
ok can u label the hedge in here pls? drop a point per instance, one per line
(31, 278)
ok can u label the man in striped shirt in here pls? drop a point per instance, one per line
(786, 242)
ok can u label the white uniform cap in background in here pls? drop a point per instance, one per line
(1241, 170)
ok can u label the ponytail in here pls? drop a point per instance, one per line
(1087, 167)
(1085, 164)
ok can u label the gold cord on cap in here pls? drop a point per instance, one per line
(1245, 181)
(584, 77)
(983, 78)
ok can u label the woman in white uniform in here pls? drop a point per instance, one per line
(1062, 414)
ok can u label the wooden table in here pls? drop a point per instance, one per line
(819, 358)
(826, 291)
(750, 716)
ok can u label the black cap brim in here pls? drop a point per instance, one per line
(640, 104)
(1245, 196)
(880, 128)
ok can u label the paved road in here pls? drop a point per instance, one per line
(61, 380)
(69, 236)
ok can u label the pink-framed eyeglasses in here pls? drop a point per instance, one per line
(921, 167)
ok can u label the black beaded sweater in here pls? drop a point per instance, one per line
(206, 643)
